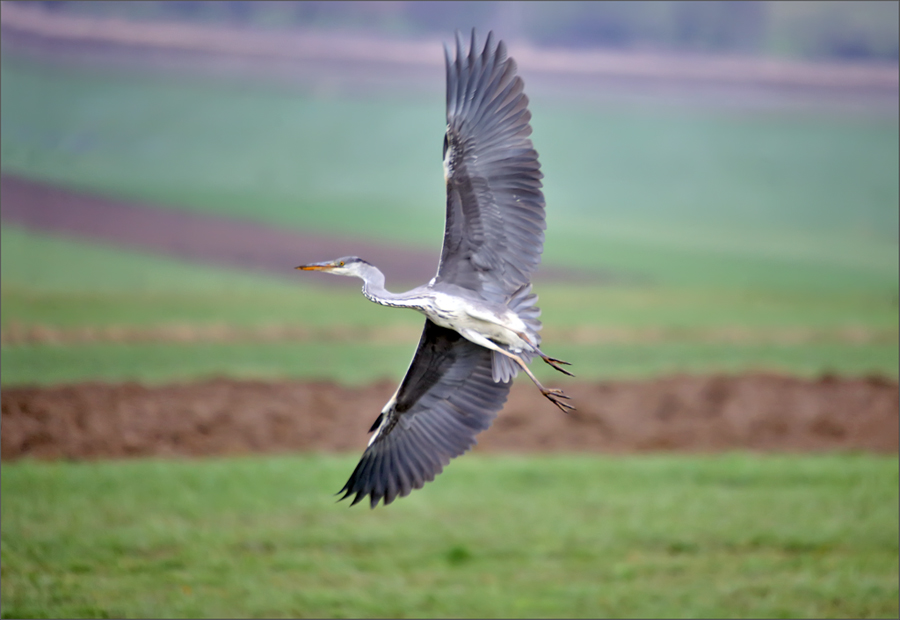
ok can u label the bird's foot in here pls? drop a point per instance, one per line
(557, 397)
(553, 362)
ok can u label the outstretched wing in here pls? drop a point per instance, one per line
(445, 400)
(494, 232)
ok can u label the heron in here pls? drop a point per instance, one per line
(481, 324)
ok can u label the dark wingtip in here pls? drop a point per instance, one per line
(377, 422)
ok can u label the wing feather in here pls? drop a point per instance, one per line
(494, 230)
(447, 397)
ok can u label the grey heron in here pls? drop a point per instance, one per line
(481, 323)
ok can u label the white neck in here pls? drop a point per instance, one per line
(373, 289)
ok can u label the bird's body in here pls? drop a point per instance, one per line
(460, 309)
(475, 316)
(481, 323)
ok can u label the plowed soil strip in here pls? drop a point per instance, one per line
(220, 417)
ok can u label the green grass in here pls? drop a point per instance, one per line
(356, 364)
(64, 284)
(350, 364)
(67, 283)
(567, 536)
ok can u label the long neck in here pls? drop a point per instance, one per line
(373, 289)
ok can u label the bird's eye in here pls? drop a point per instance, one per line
(341, 264)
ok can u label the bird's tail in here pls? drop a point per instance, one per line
(523, 303)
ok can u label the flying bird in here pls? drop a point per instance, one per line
(481, 323)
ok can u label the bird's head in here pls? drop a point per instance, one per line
(345, 266)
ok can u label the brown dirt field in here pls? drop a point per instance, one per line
(679, 413)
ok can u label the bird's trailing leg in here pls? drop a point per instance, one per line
(554, 395)
(552, 361)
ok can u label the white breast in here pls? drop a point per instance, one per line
(461, 315)
(448, 311)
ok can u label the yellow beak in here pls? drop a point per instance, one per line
(316, 266)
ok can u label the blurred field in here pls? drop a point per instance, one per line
(650, 191)
(651, 536)
(75, 312)
(719, 240)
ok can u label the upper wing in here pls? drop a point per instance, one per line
(446, 398)
(494, 232)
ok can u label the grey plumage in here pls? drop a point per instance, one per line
(446, 398)
(481, 323)
(494, 231)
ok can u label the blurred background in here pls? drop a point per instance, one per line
(721, 267)
(710, 169)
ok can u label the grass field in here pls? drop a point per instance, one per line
(565, 536)
(62, 284)
(739, 241)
